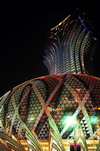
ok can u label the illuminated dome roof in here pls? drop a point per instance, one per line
(62, 95)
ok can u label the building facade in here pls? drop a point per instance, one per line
(50, 111)
(71, 46)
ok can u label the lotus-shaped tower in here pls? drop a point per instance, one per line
(64, 104)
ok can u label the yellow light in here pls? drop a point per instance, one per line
(78, 89)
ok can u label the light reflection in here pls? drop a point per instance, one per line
(69, 119)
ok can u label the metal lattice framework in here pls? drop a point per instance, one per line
(53, 96)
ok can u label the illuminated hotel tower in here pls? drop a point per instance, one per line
(50, 111)
(71, 46)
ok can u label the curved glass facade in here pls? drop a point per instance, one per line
(71, 46)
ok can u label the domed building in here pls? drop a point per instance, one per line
(50, 111)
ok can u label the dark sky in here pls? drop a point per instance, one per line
(23, 33)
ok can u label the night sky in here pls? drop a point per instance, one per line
(23, 35)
